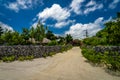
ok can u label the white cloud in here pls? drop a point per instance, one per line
(92, 6)
(91, 3)
(76, 6)
(80, 8)
(55, 12)
(91, 9)
(13, 6)
(6, 27)
(22, 4)
(114, 4)
(63, 23)
(77, 30)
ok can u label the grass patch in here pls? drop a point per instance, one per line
(8, 58)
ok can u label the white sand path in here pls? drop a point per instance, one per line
(69, 65)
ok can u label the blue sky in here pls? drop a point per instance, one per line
(61, 16)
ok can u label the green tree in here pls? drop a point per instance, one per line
(25, 33)
(39, 32)
(109, 35)
(6, 37)
(12, 38)
(61, 40)
(32, 33)
(50, 35)
(16, 38)
(68, 38)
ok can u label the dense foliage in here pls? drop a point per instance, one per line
(34, 35)
(103, 48)
(107, 57)
(68, 38)
(50, 35)
(108, 36)
(14, 38)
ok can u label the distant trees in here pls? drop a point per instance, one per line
(32, 32)
(34, 35)
(11, 38)
(25, 34)
(68, 38)
(39, 32)
(14, 38)
(50, 35)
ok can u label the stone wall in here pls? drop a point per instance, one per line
(26, 50)
(102, 49)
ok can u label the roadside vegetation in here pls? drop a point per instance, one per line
(37, 35)
(104, 47)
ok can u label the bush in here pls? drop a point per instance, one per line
(91, 56)
(22, 58)
(110, 59)
(44, 55)
(51, 54)
(113, 61)
(66, 48)
(29, 57)
(8, 58)
(53, 43)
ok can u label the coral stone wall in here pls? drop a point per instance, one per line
(26, 50)
(107, 48)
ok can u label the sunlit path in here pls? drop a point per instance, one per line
(69, 65)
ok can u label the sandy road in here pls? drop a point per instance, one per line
(69, 65)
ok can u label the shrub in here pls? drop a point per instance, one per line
(110, 58)
(21, 58)
(29, 57)
(51, 54)
(44, 55)
(113, 61)
(65, 48)
(8, 58)
(53, 43)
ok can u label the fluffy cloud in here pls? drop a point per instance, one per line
(92, 6)
(78, 7)
(91, 3)
(64, 23)
(6, 27)
(114, 4)
(78, 30)
(22, 4)
(56, 12)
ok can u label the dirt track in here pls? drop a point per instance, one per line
(69, 65)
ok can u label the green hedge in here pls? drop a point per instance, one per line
(110, 59)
